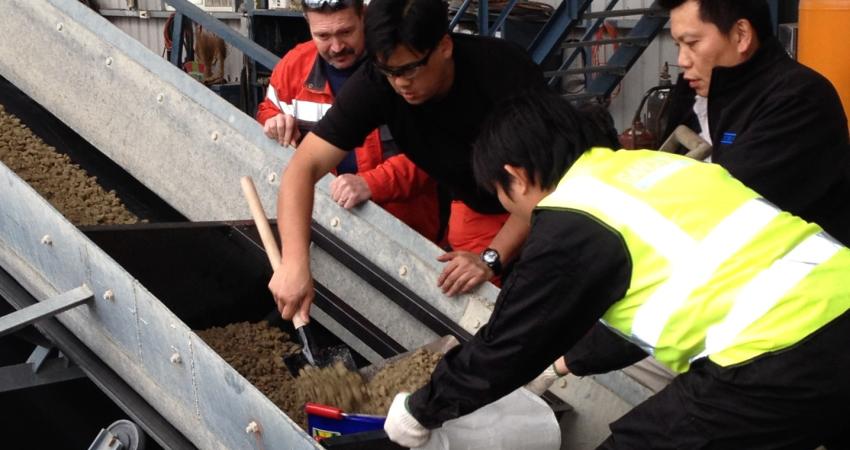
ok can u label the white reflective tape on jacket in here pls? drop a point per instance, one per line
(711, 261)
(698, 265)
(760, 295)
(303, 110)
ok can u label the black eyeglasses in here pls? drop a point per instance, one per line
(330, 4)
(407, 71)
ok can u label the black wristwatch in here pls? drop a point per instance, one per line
(491, 257)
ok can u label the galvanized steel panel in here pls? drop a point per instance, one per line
(130, 330)
(230, 404)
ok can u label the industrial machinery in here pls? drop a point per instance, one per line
(125, 299)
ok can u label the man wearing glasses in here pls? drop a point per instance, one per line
(301, 89)
(433, 89)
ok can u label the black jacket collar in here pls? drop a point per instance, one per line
(725, 79)
(316, 79)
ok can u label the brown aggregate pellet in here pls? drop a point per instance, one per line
(64, 184)
(256, 351)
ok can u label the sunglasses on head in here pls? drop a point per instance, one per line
(330, 4)
(407, 71)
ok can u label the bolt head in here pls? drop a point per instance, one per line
(108, 61)
(175, 358)
(109, 295)
(60, 26)
(47, 240)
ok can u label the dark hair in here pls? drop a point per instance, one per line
(331, 6)
(417, 24)
(538, 131)
(724, 13)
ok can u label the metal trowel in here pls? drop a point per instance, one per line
(309, 355)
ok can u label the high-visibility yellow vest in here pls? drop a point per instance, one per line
(717, 271)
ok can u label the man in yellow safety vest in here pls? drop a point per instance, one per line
(747, 303)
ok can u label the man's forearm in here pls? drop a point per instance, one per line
(294, 211)
(510, 238)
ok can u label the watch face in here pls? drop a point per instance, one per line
(490, 256)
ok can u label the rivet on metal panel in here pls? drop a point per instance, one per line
(160, 97)
(335, 222)
(143, 14)
(477, 324)
(252, 427)
(214, 136)
(271, 177)
(563, 382)
(60, 26)
(402, 271)
(175, 358)
(109, 295)
(108, 61)
(47, 240)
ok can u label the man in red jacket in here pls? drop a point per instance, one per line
(301, 89)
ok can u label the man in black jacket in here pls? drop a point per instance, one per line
(775, 124)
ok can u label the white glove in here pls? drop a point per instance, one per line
(401, 427)
(540, 384)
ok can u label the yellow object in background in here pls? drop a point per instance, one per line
(823, 43)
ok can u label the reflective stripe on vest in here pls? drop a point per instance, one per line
(712, 261)
(302, 110)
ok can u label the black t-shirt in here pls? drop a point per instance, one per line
(437, 135)
(570, 271)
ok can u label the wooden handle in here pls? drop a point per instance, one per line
(262, 222)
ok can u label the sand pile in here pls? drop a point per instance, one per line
(256, 351)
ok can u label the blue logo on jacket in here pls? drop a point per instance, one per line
(728, 138)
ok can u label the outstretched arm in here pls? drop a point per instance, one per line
(292, 284)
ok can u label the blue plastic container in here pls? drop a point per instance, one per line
(325, 421)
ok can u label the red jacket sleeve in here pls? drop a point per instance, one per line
(278, 88)
(395, 179)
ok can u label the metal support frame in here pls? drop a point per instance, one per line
(459, 14)
(40, 369)
(556, 29)
(101, 374)
(483, 17)
(502, 17)
(588, 35)
(647, 27)
(48, 308)
(177, 39)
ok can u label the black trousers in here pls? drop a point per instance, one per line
(797, 398)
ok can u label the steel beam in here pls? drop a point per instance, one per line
(48, 308)
(39, 370)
